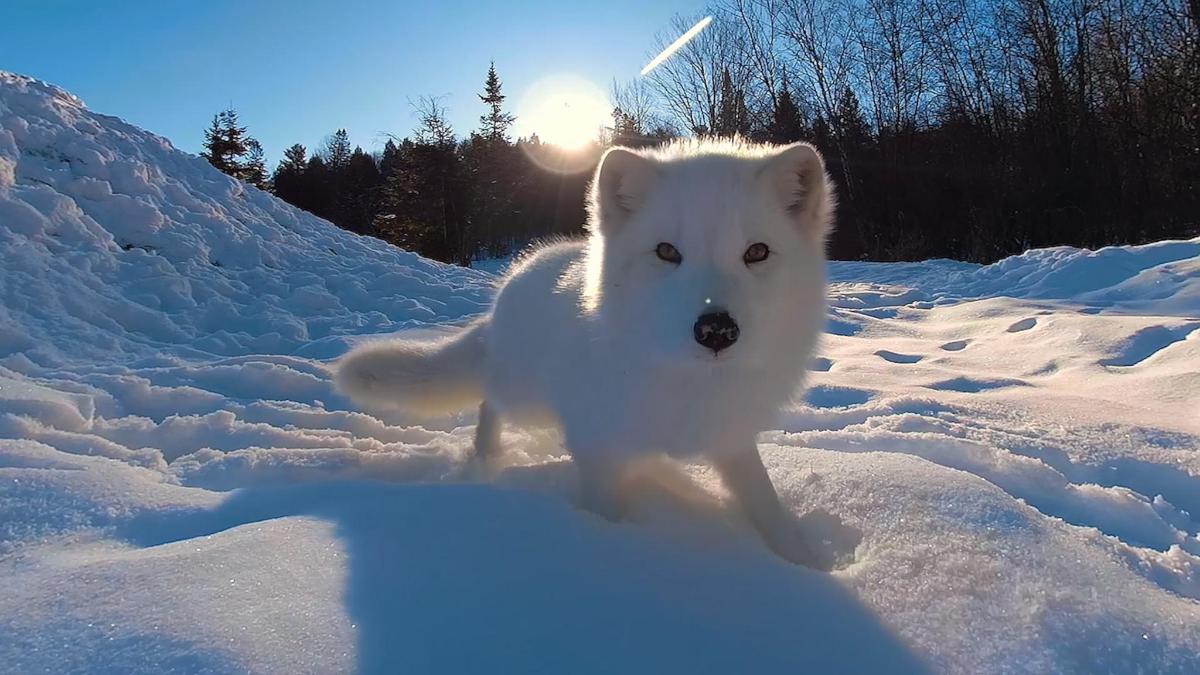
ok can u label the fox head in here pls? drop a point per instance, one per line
(708, 252)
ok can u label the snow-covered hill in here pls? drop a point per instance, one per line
(182, 491)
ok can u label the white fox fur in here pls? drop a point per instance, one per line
(596, 336)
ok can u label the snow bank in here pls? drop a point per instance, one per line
(125, 248)
(182, 490)
(1158, 278)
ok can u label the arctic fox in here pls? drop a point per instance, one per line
(680, 325)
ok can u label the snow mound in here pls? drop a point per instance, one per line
(111, 232)
(182, 490)
(1071, 273)
(1159, 277)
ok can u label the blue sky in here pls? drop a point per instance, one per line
(298, 70)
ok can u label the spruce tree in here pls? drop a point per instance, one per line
(733, 119)
(435, 129)
(225, 142)
(214, 146)
(850, 124)
(233, 137)
(228, 148)
(787, 123)
(288, 179)
(360, 192)
(489, 160)
(389, 160)
(317, 187)
(254, 167)
(495, 124)
(294, 159)
(337, 150)
(425, 197)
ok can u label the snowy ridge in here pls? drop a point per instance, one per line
(181, 489)
(1160, 277)
(110, 228)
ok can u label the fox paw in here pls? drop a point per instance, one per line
(818, 539)
(478, 469)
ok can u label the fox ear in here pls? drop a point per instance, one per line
(796, 176)
(623, 179)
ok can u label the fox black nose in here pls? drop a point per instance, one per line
(716, 330)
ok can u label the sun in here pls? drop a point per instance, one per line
(565, 110)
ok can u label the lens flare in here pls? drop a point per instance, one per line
(568, 115)
(677, 44)
(565, 110)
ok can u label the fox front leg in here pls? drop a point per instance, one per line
(485, 455)
(817, 540)
(600, 487)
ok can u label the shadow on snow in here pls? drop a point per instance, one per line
(472, 578)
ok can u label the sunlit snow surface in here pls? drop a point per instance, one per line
(182, 491)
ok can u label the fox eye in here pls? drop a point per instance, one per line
(668, 253)
(756, 253)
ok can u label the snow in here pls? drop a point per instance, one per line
(181, 490)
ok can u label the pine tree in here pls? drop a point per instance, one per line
(294, 159)
(228, 148)
(733, 119)
(336, 152)
(254, 167)
(361, 192)
(787, 123)
(435, 129)
(214, 146)
(823, 137)
(849, 122)
(389, 160)
(489, 161)
(495, 124)
(426, 196)
(224, 142)
(288, 179)
(233, 137)
(317, 188)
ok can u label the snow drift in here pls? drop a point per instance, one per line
(182, 490)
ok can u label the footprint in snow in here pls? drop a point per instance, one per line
(1022, 325)
(974, 385)
(1147, 342)
(829, 396)
(896, 357)
(820, 364)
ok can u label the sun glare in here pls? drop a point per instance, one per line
(565, 110)
(677, 44)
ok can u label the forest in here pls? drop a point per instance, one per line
(952, 128)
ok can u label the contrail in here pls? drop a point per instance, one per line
(675, 46)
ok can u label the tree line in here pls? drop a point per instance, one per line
(449, 198)
(965, 129)
(952, 128)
